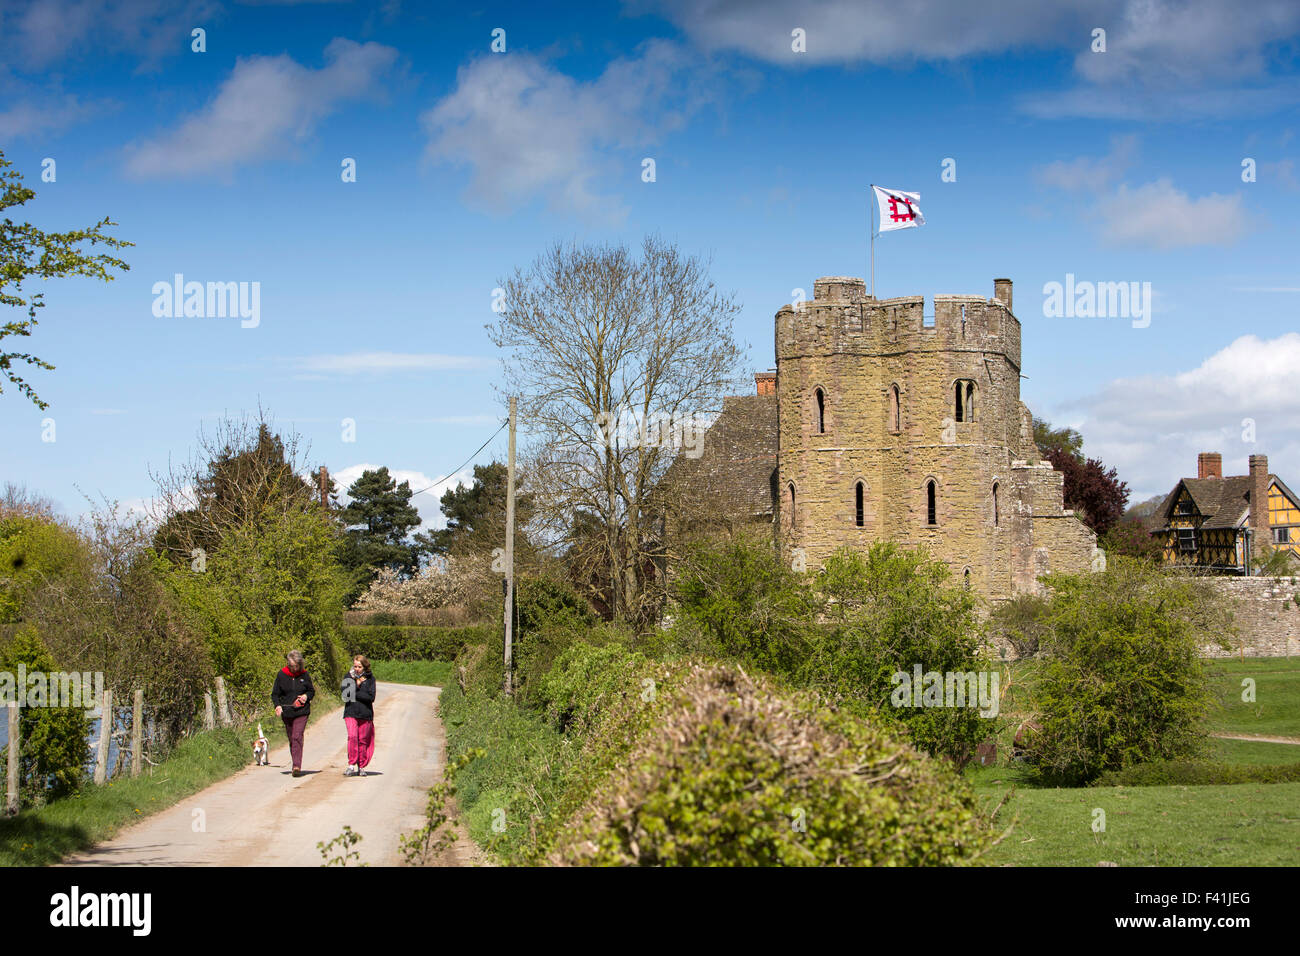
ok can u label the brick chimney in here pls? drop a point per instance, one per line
(1259, 504)
(1209, 464)
(1002, 292)
(765, 383)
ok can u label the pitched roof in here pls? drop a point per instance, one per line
(1222, 502)
(735, 474)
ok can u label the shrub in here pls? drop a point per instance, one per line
(53, 751)
(1191, 773)
(1122, 681)
(724, 769)
(1020, 622)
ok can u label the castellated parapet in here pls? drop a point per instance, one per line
(901, 426)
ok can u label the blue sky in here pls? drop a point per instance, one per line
(224, 165)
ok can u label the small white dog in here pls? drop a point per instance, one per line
(261, 747)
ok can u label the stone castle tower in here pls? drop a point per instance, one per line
(895, 426)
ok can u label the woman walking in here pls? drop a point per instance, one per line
(359, 715)
(291, 694)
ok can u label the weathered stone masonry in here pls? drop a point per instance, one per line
(869, 393)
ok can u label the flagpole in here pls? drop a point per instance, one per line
(871, 204)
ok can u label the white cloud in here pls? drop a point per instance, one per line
(266, 105)
(524, 128)
(1159, 215)
(1090, 172)
(358, 363)
(1156, 214)
(1163, 57)
(40, 113)
(1152, 428)
(426, 502)
(39, 33)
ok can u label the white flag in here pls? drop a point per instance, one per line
(898, 210)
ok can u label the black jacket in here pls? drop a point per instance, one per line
(286, 690)
(362, 707)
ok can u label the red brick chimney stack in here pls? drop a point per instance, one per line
(1209, 464)
(765, 383)
(1259, 504)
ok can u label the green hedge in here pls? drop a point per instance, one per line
(414, 643)
(1194, 773)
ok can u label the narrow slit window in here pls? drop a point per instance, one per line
(970, 401)
(966, 579)
(931, 514)
(821, 411)
(793, 523)
(957, 403)
(995, 504)
(858, 514)
(896, 409)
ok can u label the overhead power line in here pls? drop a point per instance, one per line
(466, 462)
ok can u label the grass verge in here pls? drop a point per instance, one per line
(431, 673)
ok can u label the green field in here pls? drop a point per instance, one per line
(433, 673)
(1239, 825)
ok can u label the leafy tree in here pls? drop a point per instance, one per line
(1122, 680)
(1131, 538)
(1067, 439)
(274, 585)
(27, 252)
(53, 751)
(239, 472)
(476, 515)
(1094, 492)
(378, 519)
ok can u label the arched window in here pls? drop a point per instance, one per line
(957, 403)
(895, 410)
(821, 411)
(995, 504)
(964, 400)
(970, 401)
(931, 512)
(965, 576)
(858, 514)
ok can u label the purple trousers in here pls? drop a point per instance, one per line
(293, 729)
(361, 741)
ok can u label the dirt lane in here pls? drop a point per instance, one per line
(262, 816)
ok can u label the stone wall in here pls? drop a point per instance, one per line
(1266, 615)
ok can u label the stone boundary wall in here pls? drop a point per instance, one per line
(1266, 615)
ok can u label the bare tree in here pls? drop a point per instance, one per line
(614, 359)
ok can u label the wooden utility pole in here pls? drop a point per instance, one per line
(510, 548)
(324, 488)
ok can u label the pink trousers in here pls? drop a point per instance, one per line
(361, 740)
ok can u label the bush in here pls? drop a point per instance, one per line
(1020, 622)
(844, 632)
(1191, 773)
(1122, 681)
(53, 751)
(724, 769)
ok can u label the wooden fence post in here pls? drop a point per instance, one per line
(223, 706)
(105, 733)
(208, 721)
(15, 744)
(137, 735)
